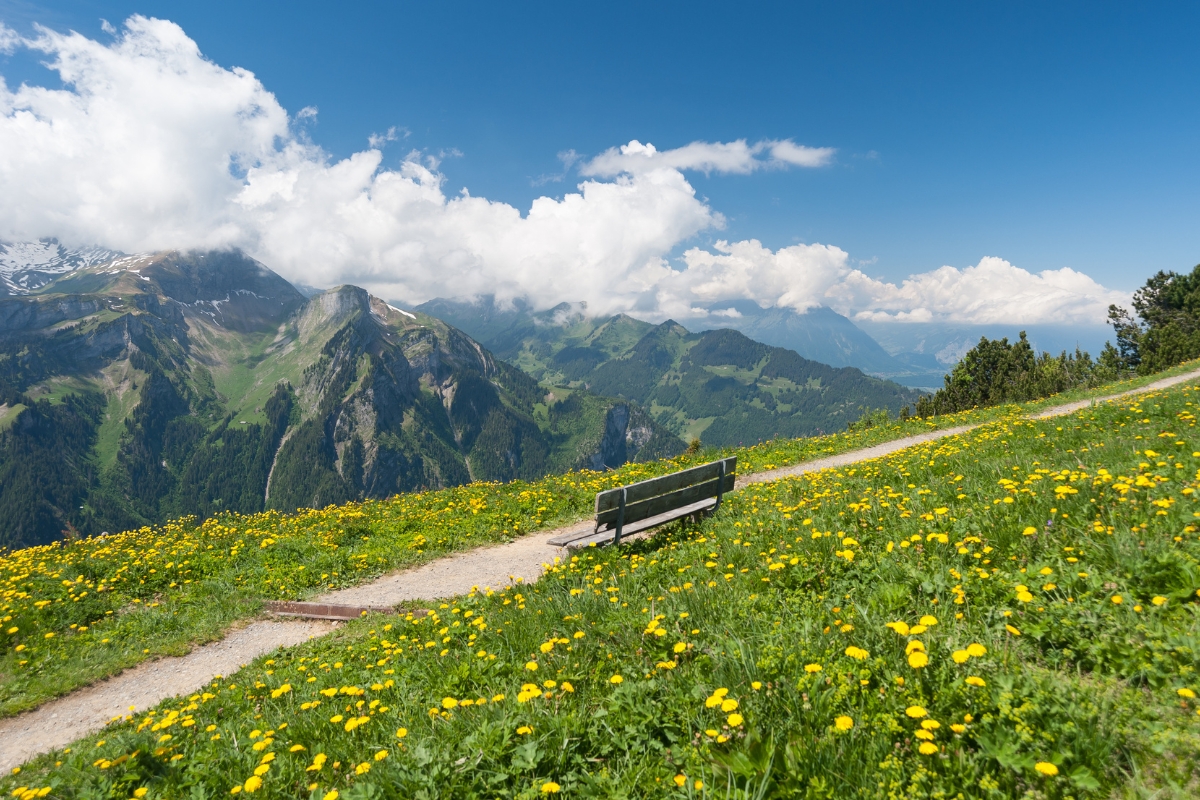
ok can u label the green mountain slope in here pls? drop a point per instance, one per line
(194, 383)
(718, 385)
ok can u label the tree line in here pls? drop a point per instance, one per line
(1162, 330)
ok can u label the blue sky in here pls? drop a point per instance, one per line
(1062, 136)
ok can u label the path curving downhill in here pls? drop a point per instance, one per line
(60, 722)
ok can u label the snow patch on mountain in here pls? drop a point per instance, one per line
(27, 266)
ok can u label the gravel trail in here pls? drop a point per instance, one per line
(62, 721)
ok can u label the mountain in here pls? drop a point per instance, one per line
(156, 386)
(718, 385)
(820, 334)
(28, 266)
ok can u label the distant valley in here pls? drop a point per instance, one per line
(718, 386)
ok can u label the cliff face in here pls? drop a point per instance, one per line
(211, 384)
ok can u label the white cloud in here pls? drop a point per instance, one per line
(803, 276)
(738, 158)
(8, 39)
(788, 152)
(151, 146)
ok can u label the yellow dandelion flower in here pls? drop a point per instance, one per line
(1185, 692)
(1046, 768)
(812, 667)
(917, 659)
(927, 748)
(734, 720)
(616, 679)
(843, 723)
(975, 681)
(550, 787)
(976, 650)
(916, 712)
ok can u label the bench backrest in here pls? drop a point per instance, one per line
(659, 495)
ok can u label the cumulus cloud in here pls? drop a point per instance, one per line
(801, 277)
(149, 145)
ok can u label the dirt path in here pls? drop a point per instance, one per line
(62, 721)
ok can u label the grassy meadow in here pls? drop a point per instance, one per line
(1010, 612)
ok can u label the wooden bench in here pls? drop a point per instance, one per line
(631, 509)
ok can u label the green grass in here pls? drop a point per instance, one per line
(8, 414)
(799, 602)
(226, 560)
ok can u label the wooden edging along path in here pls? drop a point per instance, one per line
(59, 722)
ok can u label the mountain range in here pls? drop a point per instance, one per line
(719, 386)
(154, 386)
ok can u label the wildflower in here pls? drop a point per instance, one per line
(1117, 599)
(734, 720)
(960, 656)
(1158, 600)
(252, 784)
(843, 723)
(857, 653)
(524, 730)
(1012, 630)
(1185, 692)
(729, 705)
(927, 748)
(550, 787)
(975, 681)
(917, 659)
(1029, 531)
(531, 666)
(899, 627)
(615, 679)
(449, 703)
(1046, 768)
(401, 733)
(929, 620)
(381, 755)
(332, 794)
(916, 712)
(976, 650)
(812, 667)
